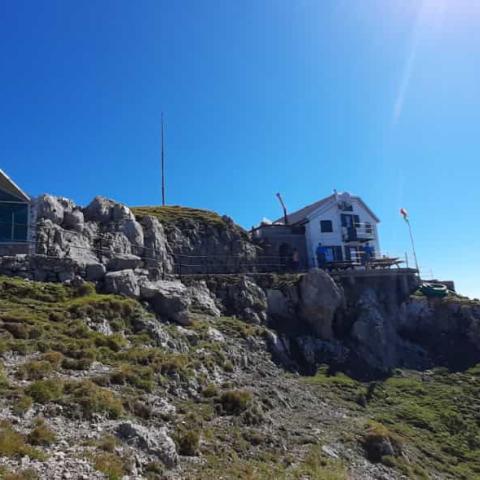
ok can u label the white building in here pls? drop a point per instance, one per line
(342, 223)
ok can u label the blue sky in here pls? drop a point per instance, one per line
(380, 98)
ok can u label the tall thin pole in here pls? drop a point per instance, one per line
(413, 244)
(163, 168)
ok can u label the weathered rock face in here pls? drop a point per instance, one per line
(123, 282)
(104, 233)
(169, 299)
(370, 325)
(218, 248)
(154, 441)
(320, 297)
(448, 329)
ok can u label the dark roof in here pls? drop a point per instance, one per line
(9, 186)
(302, 214)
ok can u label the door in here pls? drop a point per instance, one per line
(333, 254)
(350, 223)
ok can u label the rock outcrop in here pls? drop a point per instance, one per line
(370, 325)
(154, 441)
(320, 298)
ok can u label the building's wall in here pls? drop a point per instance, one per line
(7, 249)
(330, 211)
(272, 237)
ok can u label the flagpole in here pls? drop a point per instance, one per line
(413, 244)
(163, 169)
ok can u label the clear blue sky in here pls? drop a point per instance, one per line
(380, 98)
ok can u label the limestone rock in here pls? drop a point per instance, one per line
(134, 233)
(168, 298)
(202, 300)
(156, 245)
(155, 441)
(320, 297)
(50, 208)
(124, 261)
(95, 272)
(99, 210)
(248, 300)
(123, 282)
(74, 220)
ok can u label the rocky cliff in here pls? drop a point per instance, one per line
(114, 366)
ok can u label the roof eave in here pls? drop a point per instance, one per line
(20, 193)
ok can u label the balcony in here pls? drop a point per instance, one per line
(359, 233)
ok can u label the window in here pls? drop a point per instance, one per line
(326, 226)
(13, 222)
(368, 227)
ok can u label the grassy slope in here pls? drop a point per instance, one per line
(175, 214)
(44, 327)
(433, 417)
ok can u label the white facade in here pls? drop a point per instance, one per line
(343, 242)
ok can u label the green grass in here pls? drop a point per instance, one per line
(180, 215)
(314, 465)
(433, 416)
(14, 445)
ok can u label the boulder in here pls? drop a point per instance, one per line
(154, 441)
(120, 212)
(156, 245)
(280, 307)
(50, 208)
(123, 261)
(134, 232)
(124, 282)
(95, 272)
(248, 301)
(168, 298)
(99, 210)
(202, 301)
(320, 297)
(74, 220)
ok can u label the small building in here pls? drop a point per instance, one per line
(14, 217)
(342, 223)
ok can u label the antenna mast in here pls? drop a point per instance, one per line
(282, 203)
(163, 169)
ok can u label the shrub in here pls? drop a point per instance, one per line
(12, 443)
(94, 399)
(139, 377)
(17, 330)
(41, 434)
(210, 391)
(28, 474)
(22, 405)
(54, 358)
(43, 391)
(188, 442)
(154, 471)
(107, 443)
(77, 363)
(379, 442)
(234, 402)
(35, 370)
(111, 465)
(4, 383)
(84, 290)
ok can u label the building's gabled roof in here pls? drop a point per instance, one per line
(303, 214)
(9, 186)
